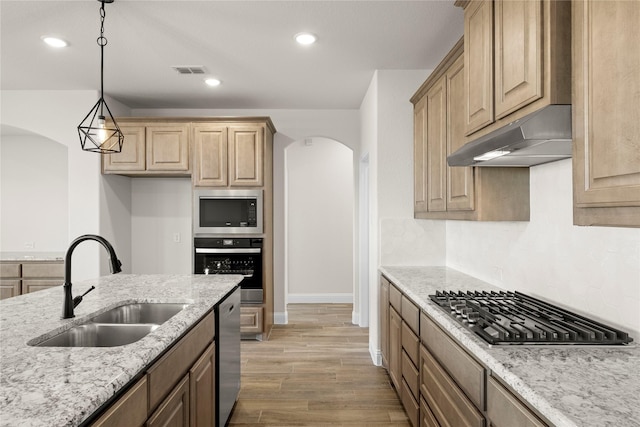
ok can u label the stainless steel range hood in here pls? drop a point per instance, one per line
(541, 137)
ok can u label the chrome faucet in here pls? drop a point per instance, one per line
(69, 302)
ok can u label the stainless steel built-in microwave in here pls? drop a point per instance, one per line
(219, 212)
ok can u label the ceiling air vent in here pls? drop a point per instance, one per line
(189, 69)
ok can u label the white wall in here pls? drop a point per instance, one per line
(33, 194)
(592, 270)
(395, 237)
(160, 212)
(55, 115)
(320, 204)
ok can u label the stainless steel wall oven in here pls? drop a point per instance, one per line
(231, 255)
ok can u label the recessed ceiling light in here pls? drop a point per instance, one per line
(54, 41)
(212, 82)
(306, 38)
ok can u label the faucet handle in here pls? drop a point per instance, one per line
(77, 300)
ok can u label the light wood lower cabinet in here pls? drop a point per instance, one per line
(17, 278)
(395, 348)
(174, 410)
(251, 320)
(129, 410)
(177, 390)
(606, 117)
(202, 389)
(504, 409)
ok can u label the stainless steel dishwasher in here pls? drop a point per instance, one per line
(227, 355)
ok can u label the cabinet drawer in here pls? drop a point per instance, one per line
(449, 404)
(251, 320)
(10, 271)
(29, 286)
(468, 373)
(410, 375)
(411, 344)
(427, 419)
(411, 314)
(395, 298)
(410, 404)
(165, 373)
(129, 410)
(43, 270)
(504, 409)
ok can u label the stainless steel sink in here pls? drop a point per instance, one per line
(99, 335)
(119, 326)
(155, 313)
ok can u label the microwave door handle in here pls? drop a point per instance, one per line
(228, 251)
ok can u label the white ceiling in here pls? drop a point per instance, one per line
(247, 44)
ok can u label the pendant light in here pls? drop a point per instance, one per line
(98, 131)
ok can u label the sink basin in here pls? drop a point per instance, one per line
(119, 326)
(99, 335)
(155, 313)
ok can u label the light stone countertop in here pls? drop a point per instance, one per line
(55, 386)
(31, 256)
(570, 386)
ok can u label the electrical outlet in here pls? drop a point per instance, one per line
(176, 237)
(29, 245)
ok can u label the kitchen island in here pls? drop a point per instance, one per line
(58, 386)
(570, 386)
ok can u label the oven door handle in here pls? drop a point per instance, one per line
(228, 250)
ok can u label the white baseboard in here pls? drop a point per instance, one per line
(320, 298)
(376, 355)
(281, 318)
(355, 318)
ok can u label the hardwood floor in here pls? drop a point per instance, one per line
(315, 371)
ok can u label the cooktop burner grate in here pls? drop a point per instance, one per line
(515, 318)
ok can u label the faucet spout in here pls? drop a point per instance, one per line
(69, 302)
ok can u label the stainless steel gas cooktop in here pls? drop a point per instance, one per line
(507, 318)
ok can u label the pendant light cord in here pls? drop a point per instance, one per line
(102, 42)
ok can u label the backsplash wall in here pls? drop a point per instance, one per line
(591, 270)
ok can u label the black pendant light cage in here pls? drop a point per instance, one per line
(99, 132)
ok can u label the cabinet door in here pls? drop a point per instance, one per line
(246, 155)
(518, 54)
(395, 348)
(29, 286)
(202, 383)
(437, 147)
(174, 410)
(168, 148)
(251, 320)
(210, 157)
(460, 184)
(606, 90)
(420, 156)
(9, 288)
(129, 410)
(504, 409)
(132, 156)
(478, 60)
(384, 321)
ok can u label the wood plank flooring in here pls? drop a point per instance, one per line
(315, 371)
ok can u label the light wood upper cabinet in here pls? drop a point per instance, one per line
(517, 60)
(478, 60)
(420, 156)
(518, 54)
(168, 147)
(465, 193)
(606, 117)
(246, 147)
(460, 183)
(229, 155)
(133, 154)
(150, 149)
(437, 147)
(210, 159)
